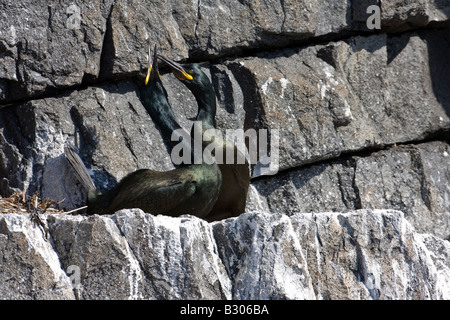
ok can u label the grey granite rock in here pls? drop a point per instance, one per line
(48, 45)
(365, 254)
(29, 267)
(347, 96)
(410, 178)
(99, 255)
(178, 256)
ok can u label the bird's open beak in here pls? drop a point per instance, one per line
(177, 69)
(152, 64)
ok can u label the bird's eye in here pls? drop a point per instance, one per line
(190, 71)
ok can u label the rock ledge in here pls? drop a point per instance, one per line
(364, 254)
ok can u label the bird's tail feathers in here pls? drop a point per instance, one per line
(79, 169)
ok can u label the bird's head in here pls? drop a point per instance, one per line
(191, 75)
(152, 71)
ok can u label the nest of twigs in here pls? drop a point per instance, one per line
(20, 202)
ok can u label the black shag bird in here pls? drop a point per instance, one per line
(190, 189)
(236, 175)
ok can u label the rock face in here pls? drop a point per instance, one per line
(366, 254)
(30, 267)
(357, 119)
(406, 178)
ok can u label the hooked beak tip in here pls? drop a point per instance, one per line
(187, 76)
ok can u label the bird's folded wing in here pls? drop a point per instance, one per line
(157, 198)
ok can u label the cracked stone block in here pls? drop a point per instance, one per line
(179, 256)
(347, 96)
(29, 266)
(62, 44)
(363, 254)
(47, 45)
(102, 257)
(371, 254)
(264, 257)
(409, 178)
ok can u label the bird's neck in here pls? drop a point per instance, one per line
(206, 109)
(166, 123)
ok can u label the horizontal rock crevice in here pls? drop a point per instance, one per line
(104, 79)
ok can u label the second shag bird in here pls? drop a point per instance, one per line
(235, 174)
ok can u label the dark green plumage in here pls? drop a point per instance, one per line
(188, 190)
(192, 189)
(154, 99)
(235, 177)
